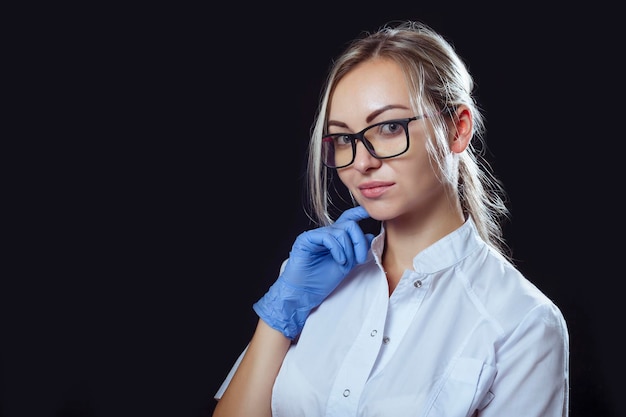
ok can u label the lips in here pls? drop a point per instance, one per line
(374, 189)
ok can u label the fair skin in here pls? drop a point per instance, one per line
(249, 392)
(404, 192)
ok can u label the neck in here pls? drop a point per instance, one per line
(407, 236)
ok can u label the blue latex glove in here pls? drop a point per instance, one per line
(318, 262)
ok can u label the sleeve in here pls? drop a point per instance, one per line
(224, 385)
(533, 368)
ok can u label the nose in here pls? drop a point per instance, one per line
(363, 159)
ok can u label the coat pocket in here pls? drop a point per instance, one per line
(464, 390)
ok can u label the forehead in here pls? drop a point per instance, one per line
(368, 87)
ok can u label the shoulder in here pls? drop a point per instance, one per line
(506, 294)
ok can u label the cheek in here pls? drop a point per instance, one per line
(350, 179)
(418, 172)
(416, 163)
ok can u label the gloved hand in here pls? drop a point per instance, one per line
(318, 262)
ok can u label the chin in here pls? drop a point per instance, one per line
(379, 213)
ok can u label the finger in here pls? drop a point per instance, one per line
(340, 246)
(354, 243)
(347, 221)
(355, 214)
(348, 242)
(316, 242)
(359, 241)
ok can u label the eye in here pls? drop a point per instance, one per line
(390, 129)
(339, 139)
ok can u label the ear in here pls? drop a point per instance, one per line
(462, 127)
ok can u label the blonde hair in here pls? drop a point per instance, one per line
(438, 82)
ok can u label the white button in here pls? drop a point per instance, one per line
(346, 393)
(373, 333)
(386, 340)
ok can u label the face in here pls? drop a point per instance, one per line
(400, 187)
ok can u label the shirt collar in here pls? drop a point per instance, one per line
(442, 254)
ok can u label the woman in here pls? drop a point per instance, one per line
(430, 317)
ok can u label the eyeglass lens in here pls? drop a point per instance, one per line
(384, 140)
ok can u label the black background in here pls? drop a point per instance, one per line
(157, 182)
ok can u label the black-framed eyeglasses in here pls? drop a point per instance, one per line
(382, 140)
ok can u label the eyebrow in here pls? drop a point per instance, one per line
(371, 116)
